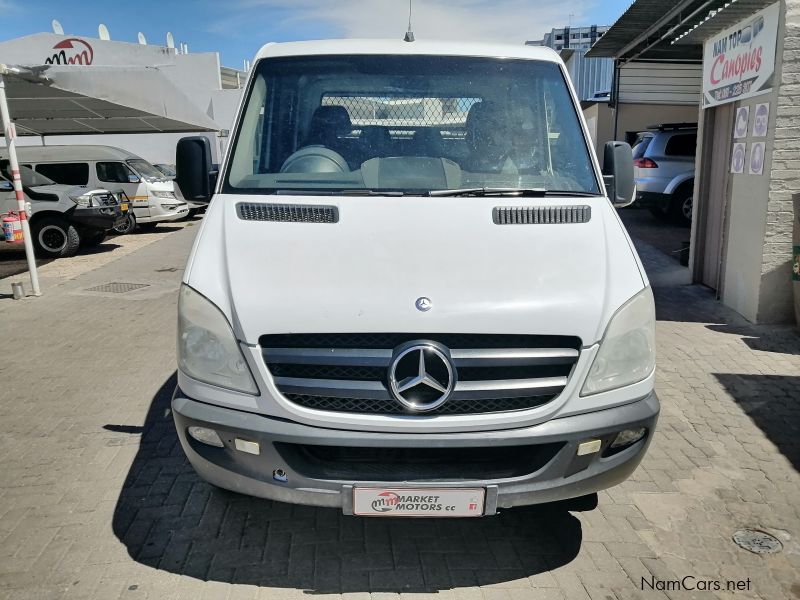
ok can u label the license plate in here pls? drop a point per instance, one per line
(123, 207)
(418, 502)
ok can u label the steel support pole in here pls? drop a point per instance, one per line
(11, 134)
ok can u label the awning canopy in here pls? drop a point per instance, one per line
(65, 100)
(722, 19)
(649, 29)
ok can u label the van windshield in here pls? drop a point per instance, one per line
(409, 124)
(145, 169)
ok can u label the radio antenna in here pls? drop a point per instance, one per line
(409, 34)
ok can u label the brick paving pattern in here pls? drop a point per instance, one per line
(97, 500)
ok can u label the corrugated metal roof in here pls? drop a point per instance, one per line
(728, 16)
(634, 21)
(647, 29)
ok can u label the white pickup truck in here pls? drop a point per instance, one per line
(411, 294)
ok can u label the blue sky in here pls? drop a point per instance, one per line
(237, 28)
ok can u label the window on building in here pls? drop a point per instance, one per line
(66, 173)
(559, 37)
(585, 35)
(681, 145)
(115, 172)
(575, 36)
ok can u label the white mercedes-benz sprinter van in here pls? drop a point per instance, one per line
(152, 194)
(412, 294)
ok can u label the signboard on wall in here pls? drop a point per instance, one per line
(739, 62)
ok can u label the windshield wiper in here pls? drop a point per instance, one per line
(512, 192)
(324, 192)
(490, 191)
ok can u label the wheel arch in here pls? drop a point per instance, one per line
(41, 214)
(680, 184)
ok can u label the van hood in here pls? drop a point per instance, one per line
(60, 189)
(365, 272)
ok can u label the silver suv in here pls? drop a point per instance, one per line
(663, 161)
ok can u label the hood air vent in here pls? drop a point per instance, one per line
(287, 213)
(540, 215)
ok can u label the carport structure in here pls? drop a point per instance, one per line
(746, 67)
(72, 100)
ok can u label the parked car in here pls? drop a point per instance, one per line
(152, 195)
(62, 217)
(663, 161)
(411, 295)
(167, 170)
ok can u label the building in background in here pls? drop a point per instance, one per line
(212, 89)
(592, 78)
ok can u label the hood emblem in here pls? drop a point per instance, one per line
(423, 304)
(421, 375)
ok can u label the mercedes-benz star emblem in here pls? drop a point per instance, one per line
(424, 304)
(421, 375)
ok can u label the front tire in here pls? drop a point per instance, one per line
(680, 208)
(128, 226)
(54, 237)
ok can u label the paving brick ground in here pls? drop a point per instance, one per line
(97, 501)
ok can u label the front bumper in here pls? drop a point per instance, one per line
(559, 473)
(161, 210)
(648, 199)
(98, 217)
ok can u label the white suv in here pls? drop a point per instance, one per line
(411, 294)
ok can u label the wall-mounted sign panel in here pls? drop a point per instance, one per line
(739, 62)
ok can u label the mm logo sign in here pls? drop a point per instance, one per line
(71, 51)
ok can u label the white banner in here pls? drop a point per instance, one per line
(739, 62)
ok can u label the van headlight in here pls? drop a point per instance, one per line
(164, 195)
(627, 351)
(207, 349)
(84, 200)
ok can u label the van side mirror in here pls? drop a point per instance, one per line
(618, 173)
(194, 173)
(6, 186)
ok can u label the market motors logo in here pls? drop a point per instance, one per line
(71, 51)
(385, 502)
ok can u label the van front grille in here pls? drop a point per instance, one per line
(370, 463)
(348, 372)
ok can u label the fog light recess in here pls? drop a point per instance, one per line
(247, 446)
(205, 435)
(626, 437)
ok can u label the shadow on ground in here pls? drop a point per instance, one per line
(773, 404)
(693, 303)
(170, 519)
(783, 339)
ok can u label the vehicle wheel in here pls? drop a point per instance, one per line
(93, 239)
(54, 237)
(680, 208)
(128, 226)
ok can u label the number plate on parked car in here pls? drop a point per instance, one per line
(418, 502)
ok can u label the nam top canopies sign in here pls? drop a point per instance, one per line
(739, 62)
